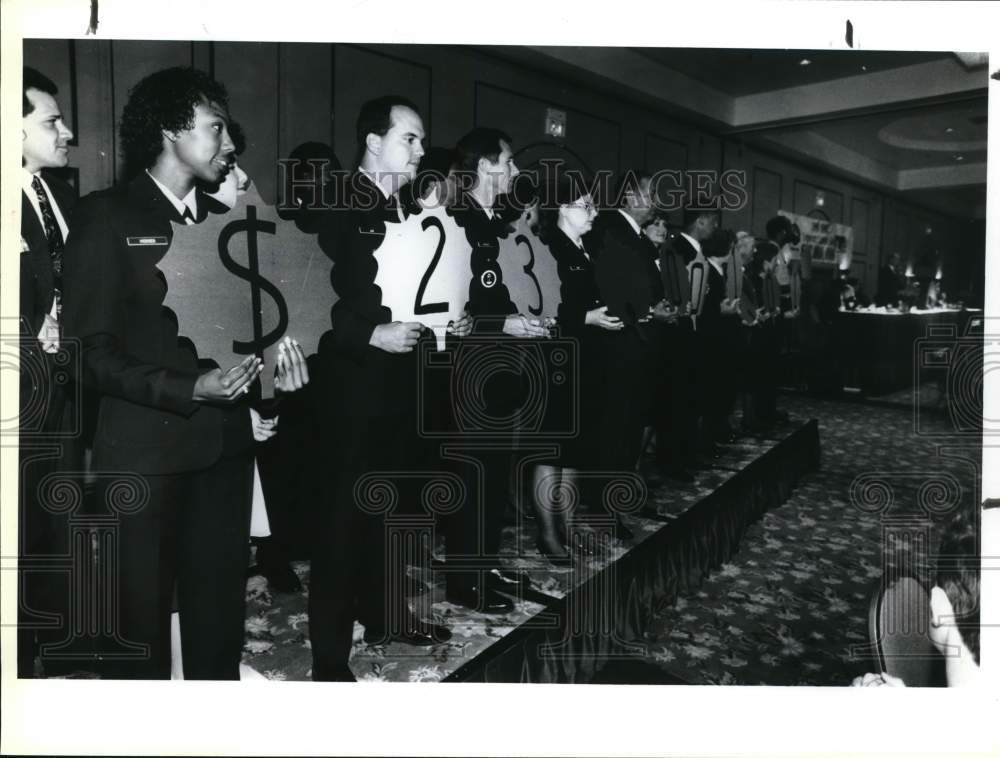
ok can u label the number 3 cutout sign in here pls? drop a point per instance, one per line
(424, 270)
(530, 272)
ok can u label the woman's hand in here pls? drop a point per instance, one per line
(291, 372)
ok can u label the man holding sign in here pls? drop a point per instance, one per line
(371, 371)
(485, 406)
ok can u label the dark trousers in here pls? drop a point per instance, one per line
(474, 532)
(348, 578)
(765, 346)
(193, 531)
(675, 413)
(629, 361)
(50, 479)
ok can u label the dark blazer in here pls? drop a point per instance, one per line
(681, 245)
(710, 320)
(113, 297)
(577, 285)
(37, 291)
(36, 267)
(363, 380)
(489, 299)
(625, 267)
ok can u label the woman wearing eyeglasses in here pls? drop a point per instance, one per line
(567, 214)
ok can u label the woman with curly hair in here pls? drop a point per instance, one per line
(183, 507)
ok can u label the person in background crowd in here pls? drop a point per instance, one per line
(716, 331)
(766, 346)
(161, 416)
(891, 282)
(311, 184)
(675, 418)
(369, 364)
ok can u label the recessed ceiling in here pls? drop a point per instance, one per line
(910, 139)
(748, 72)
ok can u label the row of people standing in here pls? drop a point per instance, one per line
(371, 366)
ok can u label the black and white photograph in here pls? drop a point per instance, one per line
(350, 354)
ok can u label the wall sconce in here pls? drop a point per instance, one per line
(555, 124)
(820, 199)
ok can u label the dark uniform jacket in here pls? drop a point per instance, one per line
(364, 380)
(489, 299)
(113, 295)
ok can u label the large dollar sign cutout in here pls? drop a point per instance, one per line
(251, 273)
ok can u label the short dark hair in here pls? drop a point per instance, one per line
(164, 100)
(629, 181)
(691, 215)
(375, 117)
(958, 574)
(777, 225)
(35, 79)
(718, 243)
(481, 142)
(762, 252)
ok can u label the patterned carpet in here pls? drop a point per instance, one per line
(786, 610)
(789, 608)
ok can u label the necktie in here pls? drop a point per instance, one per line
(53, 235)
(187, 216)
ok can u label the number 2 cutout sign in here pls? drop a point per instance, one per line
(424, 270)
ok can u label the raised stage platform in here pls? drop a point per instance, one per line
(574, 621)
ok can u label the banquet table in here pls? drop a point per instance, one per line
(879, 350)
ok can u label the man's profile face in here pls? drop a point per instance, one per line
(206, 149)
(501, 174)
(401, 148)
(640, 202)
(45, 136)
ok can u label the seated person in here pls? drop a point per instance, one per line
(954, 599)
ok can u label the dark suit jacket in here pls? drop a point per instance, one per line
(489, 299)
(364, 380)
(37, 290)
(113, 303)
(625, 267)
(710, 320)
(36, 267)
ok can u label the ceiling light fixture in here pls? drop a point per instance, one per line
(949, 130)
(864, 68)
(959, 157)
(805, 62)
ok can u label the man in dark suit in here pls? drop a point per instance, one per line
(630, 284)
(484, 173)
(46, 404)
(716, 326)
(181, 503)
(369, 363)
